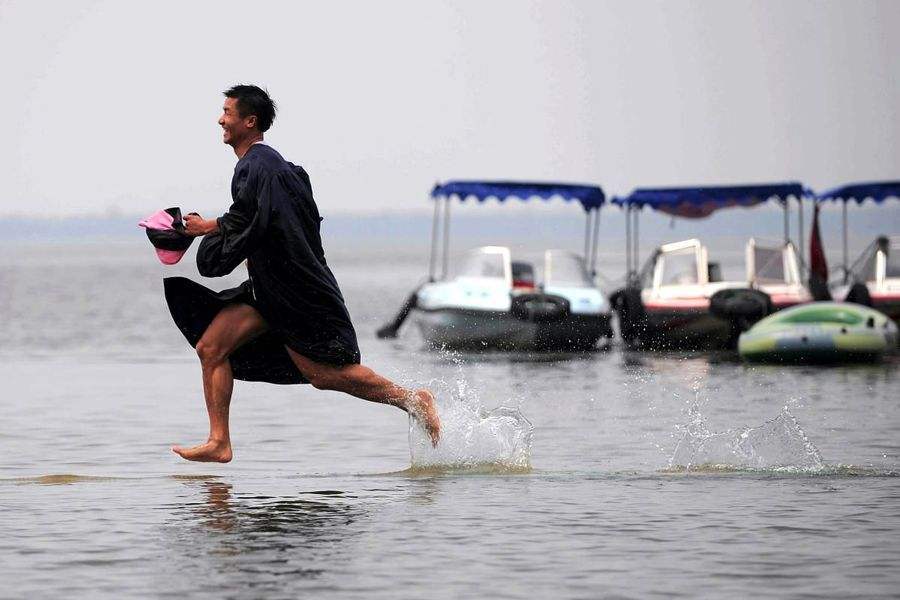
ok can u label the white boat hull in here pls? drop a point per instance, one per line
(462, 329)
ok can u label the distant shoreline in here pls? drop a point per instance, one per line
(510, 225)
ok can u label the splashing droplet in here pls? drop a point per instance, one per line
(779, 444)
(473, 438)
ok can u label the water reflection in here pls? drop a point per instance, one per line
(442, 356)
(217, 512)
(257, 541)
(674, 361)
(423, 488)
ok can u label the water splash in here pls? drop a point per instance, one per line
(777, 445)
(472, 438)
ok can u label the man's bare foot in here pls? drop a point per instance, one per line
(422, 408)
(211, 451)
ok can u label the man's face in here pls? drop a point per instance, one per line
(234, 128)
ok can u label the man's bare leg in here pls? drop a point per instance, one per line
(363, 382)
(236, 324)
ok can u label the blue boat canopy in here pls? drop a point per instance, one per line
(878, 191)
(590, 197)
(699, 202)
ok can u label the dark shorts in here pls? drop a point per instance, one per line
(193, 308)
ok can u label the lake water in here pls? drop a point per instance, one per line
(595, 479)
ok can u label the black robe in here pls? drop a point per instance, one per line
(273, 224)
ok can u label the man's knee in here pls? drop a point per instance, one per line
(210, 351)
(233, 326)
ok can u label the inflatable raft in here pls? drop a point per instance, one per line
(820, 332)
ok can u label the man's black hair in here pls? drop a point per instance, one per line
(253, 100)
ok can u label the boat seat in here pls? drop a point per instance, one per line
(522, 275)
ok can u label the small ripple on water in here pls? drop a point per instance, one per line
(825, 471)
(61, 479)
(498, 468)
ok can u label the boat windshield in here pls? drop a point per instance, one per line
(892, 259)
(679, 267)
(484, 263)
(882, 255)
(865, 267)
(772, 264)
(769, 265)
(565, 269)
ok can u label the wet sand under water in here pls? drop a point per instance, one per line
(645, 475)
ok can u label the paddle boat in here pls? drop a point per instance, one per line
(495, 300)
(679, 300)
(874, 278)
(820, 332)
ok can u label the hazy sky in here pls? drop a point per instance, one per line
(112, 106)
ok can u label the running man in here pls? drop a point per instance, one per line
(288, 323)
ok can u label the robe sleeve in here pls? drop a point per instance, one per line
(241, 229)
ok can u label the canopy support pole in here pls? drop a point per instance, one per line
(432, 260)
(636, 240)
(445, 268)
(800, 230)
(587, 234)
(594, 242)
(628, 243)
(846, 265)
(787, 221)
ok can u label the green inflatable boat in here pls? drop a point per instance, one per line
(820, 332)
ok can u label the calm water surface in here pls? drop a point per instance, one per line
(321, 500)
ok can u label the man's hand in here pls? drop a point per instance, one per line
(195, 225)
